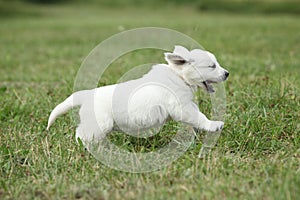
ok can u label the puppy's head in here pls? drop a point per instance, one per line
(197, 67)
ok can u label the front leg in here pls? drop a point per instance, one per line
(192, 116)
(208, 125)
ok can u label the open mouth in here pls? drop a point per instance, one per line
(207, 86)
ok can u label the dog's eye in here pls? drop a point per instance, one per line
(213, 66)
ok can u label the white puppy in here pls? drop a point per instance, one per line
(165, 92)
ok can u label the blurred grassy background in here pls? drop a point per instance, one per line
(15, 7)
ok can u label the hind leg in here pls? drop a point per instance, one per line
(91, 128)
(90, 132)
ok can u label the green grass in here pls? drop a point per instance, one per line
(256, 157)
(254, 6)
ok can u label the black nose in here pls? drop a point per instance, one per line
(226, 74)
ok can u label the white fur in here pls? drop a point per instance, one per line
(166, 92)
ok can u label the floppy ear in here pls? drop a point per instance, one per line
(181, 50)
(175, 59)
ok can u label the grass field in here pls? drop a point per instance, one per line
(256, 157)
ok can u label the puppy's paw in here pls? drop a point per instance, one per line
(215, 126)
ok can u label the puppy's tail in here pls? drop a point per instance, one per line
(76, 99)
